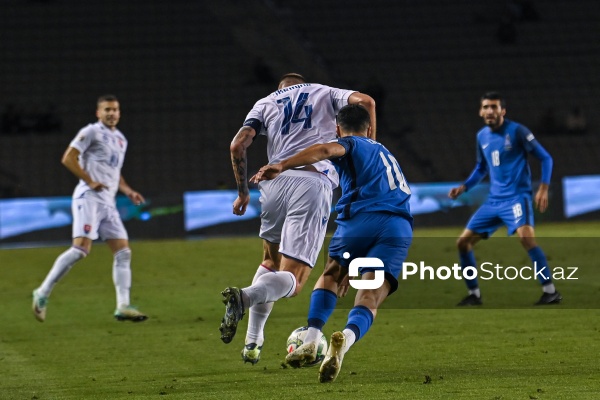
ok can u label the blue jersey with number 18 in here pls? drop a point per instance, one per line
(371, 179)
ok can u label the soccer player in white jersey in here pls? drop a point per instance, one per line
(295, 206)
(96, 156)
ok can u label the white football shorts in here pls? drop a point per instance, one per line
(295, 208)
(92, 219)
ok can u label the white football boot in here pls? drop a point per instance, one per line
(304, 354)
(38, 306)
(330, 368)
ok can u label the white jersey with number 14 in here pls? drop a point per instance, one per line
(296, 117)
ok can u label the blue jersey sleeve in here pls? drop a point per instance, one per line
(479, 172)
(534, 147)
(346, 142)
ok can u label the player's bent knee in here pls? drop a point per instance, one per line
(335, 271)
(528, 242)
(123, 256)
(464, 244)
(79, 253)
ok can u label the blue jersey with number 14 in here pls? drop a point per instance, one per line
(371, 179)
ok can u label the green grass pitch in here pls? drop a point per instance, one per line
(420, 346)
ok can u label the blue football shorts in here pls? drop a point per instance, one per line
(382, 235)
(514, 213)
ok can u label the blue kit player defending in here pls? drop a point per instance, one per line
(502, 149)
(374, 221)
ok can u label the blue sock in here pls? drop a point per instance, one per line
(360, 319)
(468, 260)
(322, 304)
(541, 264)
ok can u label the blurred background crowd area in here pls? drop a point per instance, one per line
(187, 73)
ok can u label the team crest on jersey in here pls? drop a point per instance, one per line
(87, 228)
(120, 143)
(507, 143)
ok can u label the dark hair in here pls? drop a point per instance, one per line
(493, 96)
(107, 97)
(353, 118)
(292, 75)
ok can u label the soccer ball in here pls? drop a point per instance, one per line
(296, 339)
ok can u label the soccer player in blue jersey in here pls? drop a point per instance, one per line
(502, 149)
(374, 220)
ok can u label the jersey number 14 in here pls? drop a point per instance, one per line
(292, 115)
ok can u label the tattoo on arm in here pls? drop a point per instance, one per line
(239, 169)
(239, 159)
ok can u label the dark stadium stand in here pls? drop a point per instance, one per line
(184, 73)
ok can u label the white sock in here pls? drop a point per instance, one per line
(312, 335)
(122, 275)
(350, 339)
(476, 292)
(258, 314)
(549, 288)
(269, 287)
(61, 266)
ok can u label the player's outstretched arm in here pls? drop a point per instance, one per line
(71, 160)
(267, 173)
(239, 161)
(479, 172)
(310, 155)
(313, 154)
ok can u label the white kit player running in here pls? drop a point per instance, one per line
(295, 207)
(96, 156)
